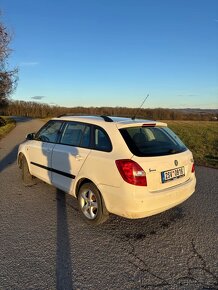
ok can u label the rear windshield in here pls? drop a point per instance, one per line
(152, 141)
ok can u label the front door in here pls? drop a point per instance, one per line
(40, 150)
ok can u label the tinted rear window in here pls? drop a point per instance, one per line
(101, 140)
(152, 141)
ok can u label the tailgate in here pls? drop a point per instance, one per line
(166, 171)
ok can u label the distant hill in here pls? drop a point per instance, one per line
(197, 111)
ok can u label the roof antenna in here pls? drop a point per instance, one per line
(133, 118)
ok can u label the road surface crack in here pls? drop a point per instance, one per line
(209, 281)
(156, 280)
(140, 264)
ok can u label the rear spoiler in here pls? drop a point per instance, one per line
(140, 124)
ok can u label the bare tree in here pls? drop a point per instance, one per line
(8, 77)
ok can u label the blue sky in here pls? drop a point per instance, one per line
(114, 52)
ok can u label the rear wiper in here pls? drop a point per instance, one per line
(172, 151)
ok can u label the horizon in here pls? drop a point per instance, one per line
(112, 107)
(113, 53)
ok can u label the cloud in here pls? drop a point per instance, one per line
(30, 63)
(37, 97)
(186, 95)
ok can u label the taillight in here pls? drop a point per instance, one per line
(193, 168)
(131, 172)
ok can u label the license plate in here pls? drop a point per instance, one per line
(172, 174)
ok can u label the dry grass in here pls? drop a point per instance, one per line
(10, 124)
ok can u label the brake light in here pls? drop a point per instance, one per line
(149, 125)
(131, 172)
(193, 168)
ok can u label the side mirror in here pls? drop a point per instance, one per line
(30, 136)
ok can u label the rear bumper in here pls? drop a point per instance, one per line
(137, 202)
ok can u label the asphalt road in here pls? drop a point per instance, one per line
(44, 243)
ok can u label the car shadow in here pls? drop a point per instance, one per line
(63, 256)
(20, 119)
(9, 159)
(64, 279)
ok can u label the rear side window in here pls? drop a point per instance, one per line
(50, 132)
(101, 140)
(152, 141)
(76, 134)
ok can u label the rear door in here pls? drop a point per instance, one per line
(70, 154)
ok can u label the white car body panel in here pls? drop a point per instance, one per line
(68, 159)
(153, 166)
(40, 153)
(137, 202)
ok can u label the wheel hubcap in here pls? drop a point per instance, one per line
(89, 205)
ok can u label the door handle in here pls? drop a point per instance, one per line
(78, 157)
(47, 150)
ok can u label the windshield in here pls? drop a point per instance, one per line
(152, 141)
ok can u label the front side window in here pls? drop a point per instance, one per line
(152, 141)
(76, 134)
(50, 132)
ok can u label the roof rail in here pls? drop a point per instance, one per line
(68, 114)
(106, 118)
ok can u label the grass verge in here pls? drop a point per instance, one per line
(201, 137)
(10, 124)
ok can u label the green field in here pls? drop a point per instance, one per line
(201, 137)
(10, 124)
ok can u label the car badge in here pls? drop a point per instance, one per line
(176, 162)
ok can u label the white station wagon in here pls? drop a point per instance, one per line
(131, 168)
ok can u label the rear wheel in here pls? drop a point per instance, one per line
(91, 204)
(28, 179)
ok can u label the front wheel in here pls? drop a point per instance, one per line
(28, 179)
(91, 204)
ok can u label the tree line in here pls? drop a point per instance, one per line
(8, 75)
(40, 110)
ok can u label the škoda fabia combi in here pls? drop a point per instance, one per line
(131, 168)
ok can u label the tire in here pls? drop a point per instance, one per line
(28, 179)
(91, 204)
